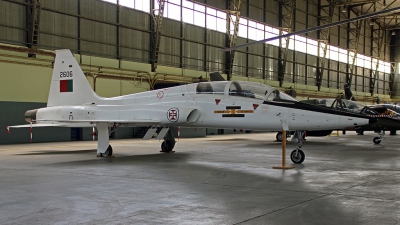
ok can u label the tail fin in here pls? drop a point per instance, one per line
(69, 85)
(216, 76)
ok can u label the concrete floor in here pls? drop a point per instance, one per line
(226, 179)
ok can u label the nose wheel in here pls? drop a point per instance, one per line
(297, 156)
(377, 140)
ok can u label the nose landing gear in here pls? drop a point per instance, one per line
(377, 140)
(297, 156)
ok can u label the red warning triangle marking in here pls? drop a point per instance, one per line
(217, 101)
(255, 106)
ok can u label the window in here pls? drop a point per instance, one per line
(173, 11)
(141, 5)
(278, 96)
(214, 19)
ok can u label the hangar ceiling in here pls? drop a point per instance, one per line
(389, 21)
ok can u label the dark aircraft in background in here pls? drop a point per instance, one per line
(388, 115)
(385, 109)
(387, 119)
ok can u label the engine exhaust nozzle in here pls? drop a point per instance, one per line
(30, 115)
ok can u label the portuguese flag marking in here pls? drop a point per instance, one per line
(66, 86)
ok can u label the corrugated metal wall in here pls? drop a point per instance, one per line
(94, 27)
(13, 23)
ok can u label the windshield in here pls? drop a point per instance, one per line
(248, 89)
(279, 96)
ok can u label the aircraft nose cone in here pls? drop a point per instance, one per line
(373, 120)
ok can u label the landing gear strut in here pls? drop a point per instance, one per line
(377, 140)
(297, 156)
(169, 142)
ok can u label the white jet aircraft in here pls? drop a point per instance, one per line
(224, 104)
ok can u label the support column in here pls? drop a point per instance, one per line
(378, 41)
(325, 17)
(353, 37)
(33, 20)
(156, 24)
(232, 28)
(287, 9)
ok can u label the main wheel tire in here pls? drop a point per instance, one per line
(360, 132)
(166, 146)
(377, 140)
(393, 132)
(279, 136)
(297, 158)
(108, 152)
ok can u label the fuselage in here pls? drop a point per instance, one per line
(237, 105)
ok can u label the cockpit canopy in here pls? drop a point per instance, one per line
(243, 89)
(392, 109)
(345, 104)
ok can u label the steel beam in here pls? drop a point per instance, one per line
(394, 66)
(378, 39)
(156, 32)
(353, 38)
(325, 17)
(287, 9)
(366, 16)
(33, 20)
(232, 28)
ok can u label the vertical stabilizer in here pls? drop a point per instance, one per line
(69, 85)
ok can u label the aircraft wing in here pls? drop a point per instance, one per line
(149, 121)
(39, 125)
(84, 123)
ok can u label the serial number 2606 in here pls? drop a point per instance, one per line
(66, 74)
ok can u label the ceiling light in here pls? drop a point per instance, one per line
(344, 9)
(393, 33)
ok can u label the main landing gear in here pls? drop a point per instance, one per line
(108, 152)
(279, 136)
(377, 140)
(169, 142)
(297, 156)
